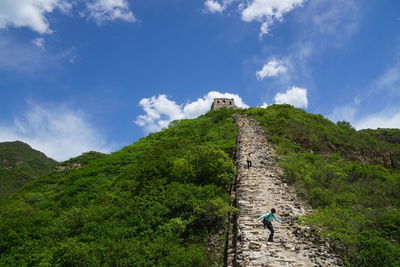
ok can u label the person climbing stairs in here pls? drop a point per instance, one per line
(262, 186)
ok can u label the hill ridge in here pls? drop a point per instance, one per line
(20, 164)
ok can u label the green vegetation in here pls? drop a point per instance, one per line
(356, 205)
(163, 200)
(387, 135)
(83, 159)
(295, 130)
(19, 164)
(157, 202)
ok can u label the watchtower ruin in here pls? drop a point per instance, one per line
(223, 103)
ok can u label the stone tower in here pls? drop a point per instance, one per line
(223, 103)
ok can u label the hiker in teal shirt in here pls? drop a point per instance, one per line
(267, 222)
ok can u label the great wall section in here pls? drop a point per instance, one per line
(256, 191)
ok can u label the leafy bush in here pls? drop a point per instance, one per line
(375, 251)
(315, 133)
(357, 205)
(154, 203)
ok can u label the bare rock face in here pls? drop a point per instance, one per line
(386, 159)
(258, 189)
(70, 166)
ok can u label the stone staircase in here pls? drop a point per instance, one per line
(258, 189)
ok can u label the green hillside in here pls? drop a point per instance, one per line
(162, 201)
(19, 164)
(356, 204)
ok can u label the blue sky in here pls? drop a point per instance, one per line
(98, 75)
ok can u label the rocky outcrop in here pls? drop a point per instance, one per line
(386, 159)
(257, 190)
(69, 166)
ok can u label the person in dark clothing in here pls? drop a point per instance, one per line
(248, 159)
(267, 222)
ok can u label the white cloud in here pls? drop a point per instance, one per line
(270, 69)
(347, 112)
(160, 111)
(214, 7)
(109, 10)
(59, 132)
(20, 57)
(265, 11)
(268, 11)
(378, 104)
(39, 42)
(34, 13)
(328, 17)
(385, 119)
(202, 105)
(264, 28)
(389, 81)
(295, 96)
(343, 113)
(264, 105)
(27, 59)
(70, 54)
(29, 13)
(321, 26)
(388, 117)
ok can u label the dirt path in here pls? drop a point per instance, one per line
(258, 189)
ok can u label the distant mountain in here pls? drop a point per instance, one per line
(19, 164)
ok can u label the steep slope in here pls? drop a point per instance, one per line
(259, 189)
(19, 164)
(296, 130)
(350, 178)
(162, 201)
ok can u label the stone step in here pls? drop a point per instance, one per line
(260, 188)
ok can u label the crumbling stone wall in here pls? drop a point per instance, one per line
(259, 189)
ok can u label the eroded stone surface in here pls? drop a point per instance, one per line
(259, 189)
